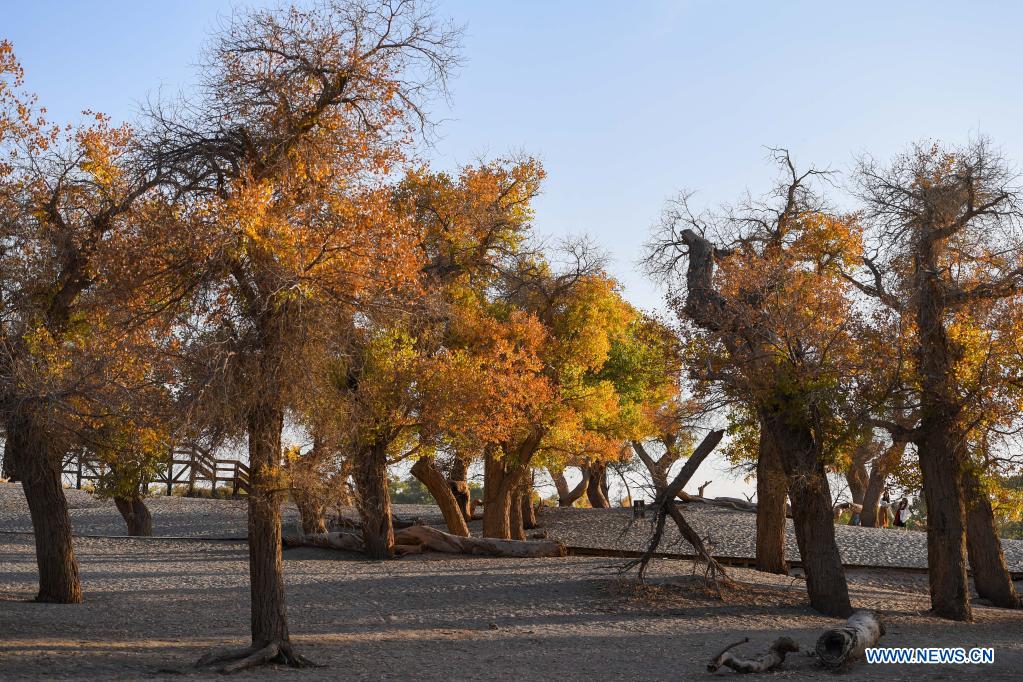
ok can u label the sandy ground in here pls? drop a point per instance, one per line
(155, 606)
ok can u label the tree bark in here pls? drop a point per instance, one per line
(596, 488)
(38, 467)
(567, 497)
(454, 515)
(871, 516)
(136, 515)
(516, 522)
(812, 515)
(772, 493)
(370, 472)
(496, 507)
(946, 521)
(526, 502)
(266, 568)
(312, 513)
(502, 477)
(458, 482)
(991, 576)
(856, 476)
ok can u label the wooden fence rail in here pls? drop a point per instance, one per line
(185, 466)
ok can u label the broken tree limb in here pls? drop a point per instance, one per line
(419, 538)
(770, 660)
(841, 646)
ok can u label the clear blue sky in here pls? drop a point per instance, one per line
(625, 103)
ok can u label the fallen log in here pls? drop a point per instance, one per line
(839, 647)
(774, 657)
(349, 542)
(422, 538)
(419, 539)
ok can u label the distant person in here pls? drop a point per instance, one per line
(857, 510)
(902, 513)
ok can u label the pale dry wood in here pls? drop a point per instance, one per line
(769, 660)
(844, 645)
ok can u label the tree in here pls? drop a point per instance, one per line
(776, 319)
(76, 204)
(947, 219)
(283, 162)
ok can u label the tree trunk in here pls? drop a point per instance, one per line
(567, 497)
(312, 513)
(772, 493)
(136, 515)
(857, 478)
(370, 469)
(871, 517)
(38, 468)
(946, 522)
(502, 514)
(991, 575)
(496, 506)
(812, 515)
(266, 568)
(454, 515)
(458, 482)
(516, 522)
(596, 488)
(526, 502)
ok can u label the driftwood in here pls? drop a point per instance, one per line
(419, 539)
(841, 646)
(836, 648)
(769, 660)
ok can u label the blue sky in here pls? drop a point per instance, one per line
(625, 103)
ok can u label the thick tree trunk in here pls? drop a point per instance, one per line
(812, 516)
(946, 522)
(496, 503)
(454, 517)
(136, 515)
(374, 501)
(38, 468)
(772, 493)
(458, 482)
(266, 568)
(502, 512)
(596, 488)
(991, 575)
(312, 513)
(871, 516)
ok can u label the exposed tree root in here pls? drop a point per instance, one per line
(235, 659)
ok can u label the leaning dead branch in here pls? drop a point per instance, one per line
(665, 506)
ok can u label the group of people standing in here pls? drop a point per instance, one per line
(899, 516)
